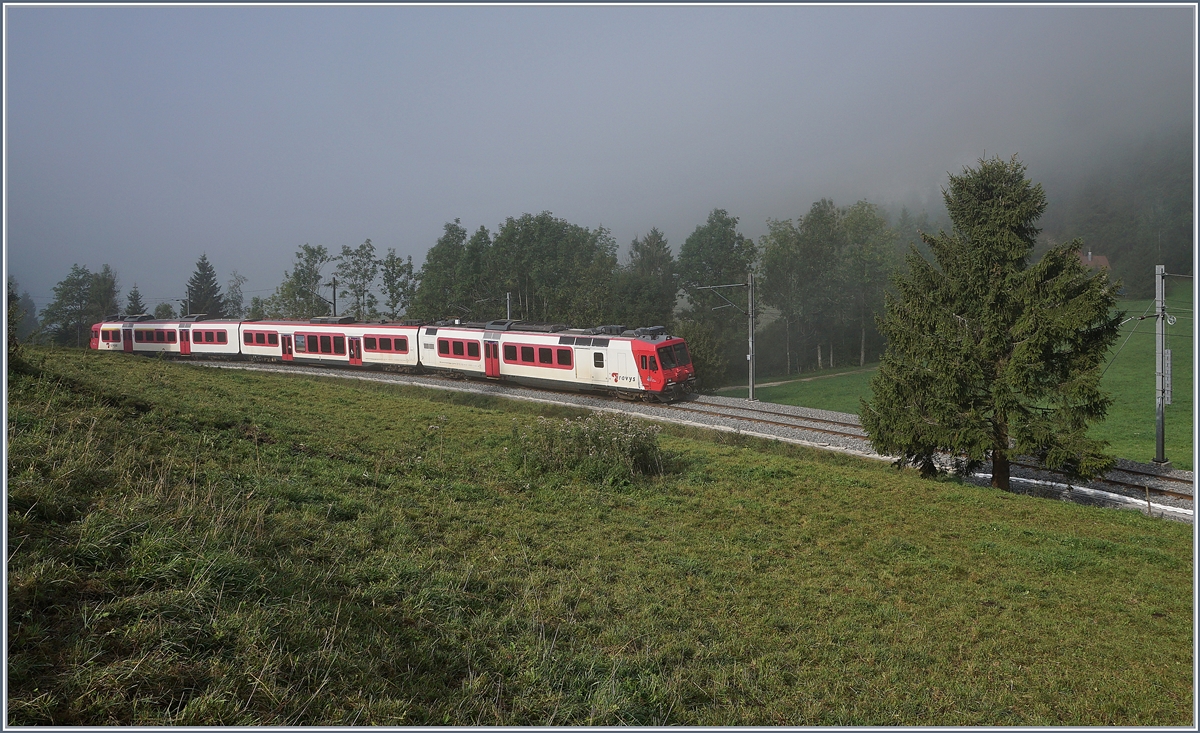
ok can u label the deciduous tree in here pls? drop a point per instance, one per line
(357, 270)
(399, 283)
(646, 287)
(989, 356)
(299, 295)
(234, 300)
(716, 254)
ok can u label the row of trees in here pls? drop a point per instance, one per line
(355, 275)
(823, 274)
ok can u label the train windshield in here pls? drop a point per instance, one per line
(667, 357)
(681, 355)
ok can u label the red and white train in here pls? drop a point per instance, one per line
(644, 363)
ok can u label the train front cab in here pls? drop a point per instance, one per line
(665, 367)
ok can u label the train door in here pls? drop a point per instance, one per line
(600, 365)
(127, 340)
(355, 351)
(285, 340)
(185, 342)
(491, 358)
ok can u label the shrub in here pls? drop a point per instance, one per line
(602, 446)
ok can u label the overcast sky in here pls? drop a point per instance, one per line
(142, 137)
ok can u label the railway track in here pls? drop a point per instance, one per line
(821, 429)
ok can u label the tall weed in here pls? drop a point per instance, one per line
(599, 447)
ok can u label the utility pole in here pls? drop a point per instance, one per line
(730, 304)
(508, 306)
(750, 356)
(1162, 363)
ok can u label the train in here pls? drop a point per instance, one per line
(634, 364)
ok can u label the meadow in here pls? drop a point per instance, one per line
(197, 546)
(1129, 427)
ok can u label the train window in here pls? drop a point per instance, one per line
(299, 343)
(458, 347)
(430, 331)
(666, 357)
(545, 356)
(248, 337)
(653, 364)
(160, 336)
(369, 343)
(566, 340)
(527, 354)
(599, 342)
(138, 336)
(401, 345)
(583, 342)
(260, 338)
(326, 344)
(220, 337)
(443, 346)
(564, 357)
(598, 359)
(681, 355)
(339, 344)
(510, 352)
(209, 337)
(473, 349)
(273, 339)
(644, 362)
(170, 337)
(386, 344)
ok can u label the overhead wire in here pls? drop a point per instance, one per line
(1131, 332)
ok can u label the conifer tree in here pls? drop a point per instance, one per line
(134, 305)
(204, 292)
(989, 356)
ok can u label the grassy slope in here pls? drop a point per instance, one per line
(1129, 427)
(196, 546)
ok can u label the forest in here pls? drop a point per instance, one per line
(820, 274)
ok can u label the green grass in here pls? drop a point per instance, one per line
(838, 389)
(193, 546)
(1130, 425)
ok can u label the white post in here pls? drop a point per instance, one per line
(750, 356)
(1160, 371)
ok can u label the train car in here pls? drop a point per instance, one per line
(632, 364)
(334, 342)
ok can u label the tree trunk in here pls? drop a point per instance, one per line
(787, 336)
(862, 345)
(1000, 469)
(820, 363)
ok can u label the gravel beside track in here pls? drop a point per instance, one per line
(821, 429)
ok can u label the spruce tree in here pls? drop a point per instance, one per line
(204, 292)
(134, 305)
(988, 355)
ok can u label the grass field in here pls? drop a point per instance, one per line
(195, 546)
(1130, 425)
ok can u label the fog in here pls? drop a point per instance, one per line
(142, 137)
